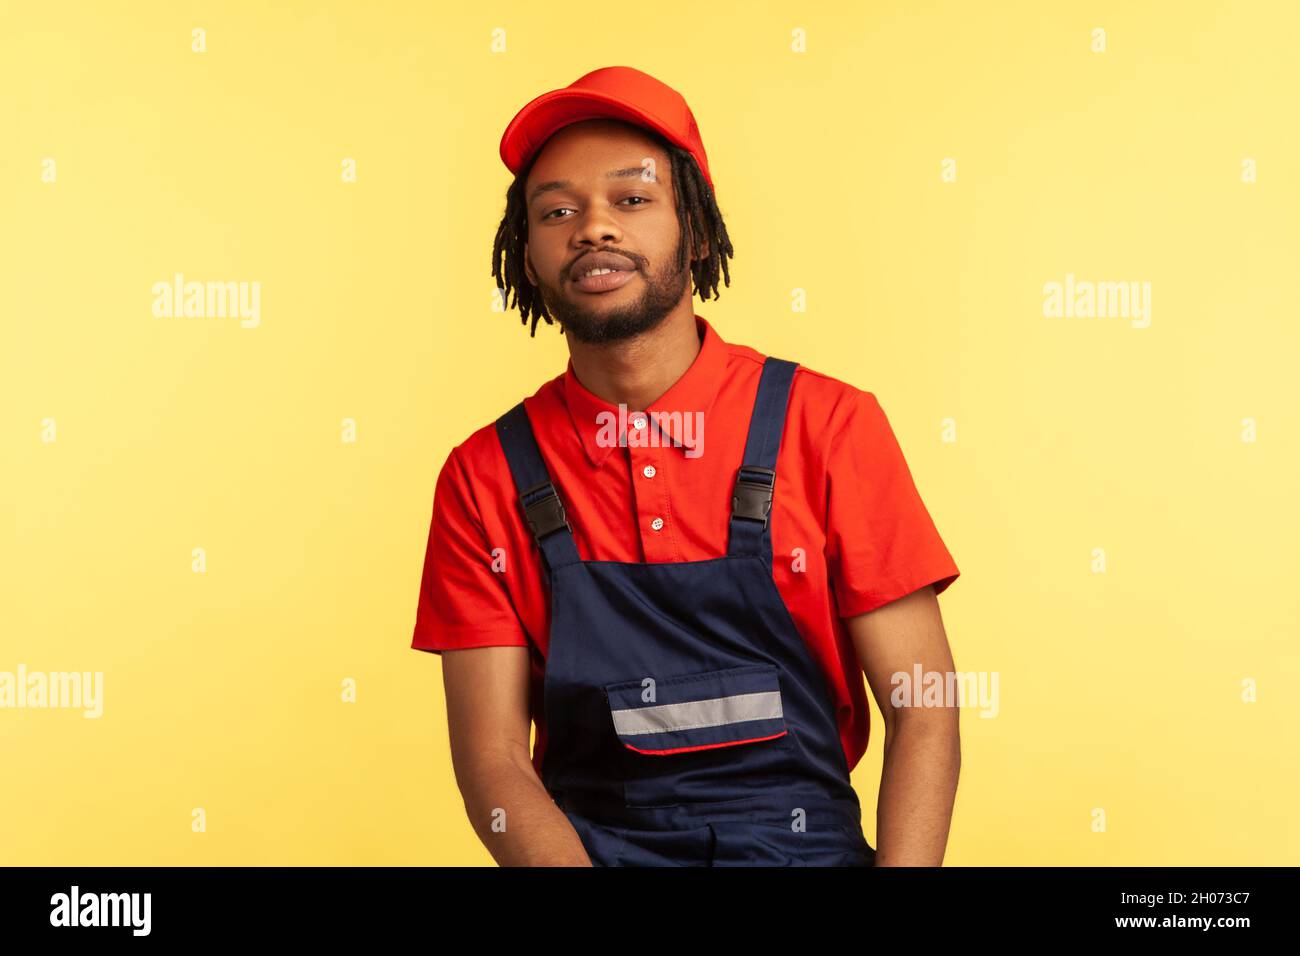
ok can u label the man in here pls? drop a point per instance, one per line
(679, 557)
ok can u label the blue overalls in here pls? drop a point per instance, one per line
(687, 723)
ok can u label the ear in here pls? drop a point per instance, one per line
(704, 247)
(703, 251)
(528, 266)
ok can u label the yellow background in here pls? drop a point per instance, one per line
(1119, 690)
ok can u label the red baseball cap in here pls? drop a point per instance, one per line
(616, 92)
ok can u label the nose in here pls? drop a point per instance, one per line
(597, 226)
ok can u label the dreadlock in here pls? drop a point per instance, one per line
(697, 215)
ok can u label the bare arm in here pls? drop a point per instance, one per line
(918, 784)
(487, 716)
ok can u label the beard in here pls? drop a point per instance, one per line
(660, 294)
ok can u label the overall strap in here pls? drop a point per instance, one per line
(542, 508)
(751, 502)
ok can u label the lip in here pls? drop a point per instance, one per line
(601, 260)
(604, 283)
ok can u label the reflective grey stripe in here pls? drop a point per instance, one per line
(698, 713)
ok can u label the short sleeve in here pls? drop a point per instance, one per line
(881, 543)
(463, 602)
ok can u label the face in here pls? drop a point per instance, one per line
(602, 187)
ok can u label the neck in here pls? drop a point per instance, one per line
(636, 372)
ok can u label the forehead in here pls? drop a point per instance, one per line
(589, 150)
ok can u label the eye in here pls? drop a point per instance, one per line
(641, 201)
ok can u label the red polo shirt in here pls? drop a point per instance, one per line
(849, 530)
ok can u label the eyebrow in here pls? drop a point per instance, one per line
(626, 172)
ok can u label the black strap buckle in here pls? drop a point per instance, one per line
(546, 514)
(752, 497)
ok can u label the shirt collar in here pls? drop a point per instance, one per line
(693, 392)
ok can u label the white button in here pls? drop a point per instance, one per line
(657, 523)
(648, 471)
(638, 423)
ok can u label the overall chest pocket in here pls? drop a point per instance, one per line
(713, 736)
